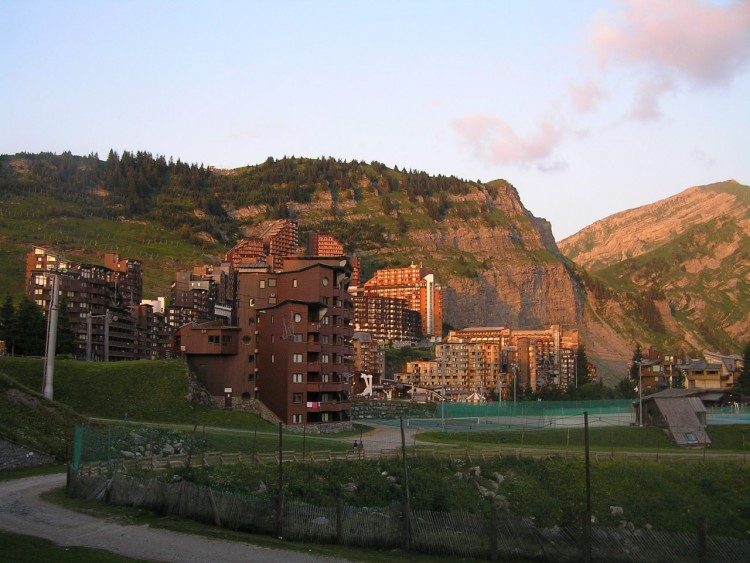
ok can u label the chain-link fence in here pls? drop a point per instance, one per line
(502, 535)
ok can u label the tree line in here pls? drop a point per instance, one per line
(23, 328)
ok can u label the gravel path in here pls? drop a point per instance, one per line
(23, 512)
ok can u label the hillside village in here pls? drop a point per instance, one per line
(294, 333)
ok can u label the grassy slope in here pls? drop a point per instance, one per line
(41, 220)
(26, 417)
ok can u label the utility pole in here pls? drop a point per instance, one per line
(640, 393)
(49, 368)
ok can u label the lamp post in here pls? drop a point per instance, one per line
(49, 359)
(640, 394)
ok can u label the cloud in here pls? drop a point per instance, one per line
(492, 139)
(586, 97)
(697, 42)
(649, 94)
(557, 166)
(703, 158)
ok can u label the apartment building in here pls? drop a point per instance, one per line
(497, 359)
(712, 371)
(101, 305)
(388, 319)
(291, 347)
(97, 300)
(279, 239)
(369, 364)
(319, 244)
(417, 286)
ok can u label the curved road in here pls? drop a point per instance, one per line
(23, 512)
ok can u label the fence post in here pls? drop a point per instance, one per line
(587, 522)
(339, 521)
(407, 503)
(702, 544)
(493, 531)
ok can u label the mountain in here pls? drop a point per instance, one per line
(675, 273)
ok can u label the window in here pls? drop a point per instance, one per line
(262, 284)
(296, 378)
(271, 282)
(325, 358)
(297, 318)
(325, 417)
(297, 358)
(273, 359)
(325, 378)
(691, 438)
(297, 419)
(296, 397)
(326, 281)
(214, 339)
(325, 320)
(326, 339)
(294, 283)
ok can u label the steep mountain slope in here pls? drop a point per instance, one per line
(498, 262)
(682, 284)
(679, 268)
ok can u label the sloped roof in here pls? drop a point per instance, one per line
(682, 420)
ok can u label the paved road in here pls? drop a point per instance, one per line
(23, 512)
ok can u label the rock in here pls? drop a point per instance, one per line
(349, 487)
(501, 502)
(262, 488)
(499, 478)
(616, 511)
(167, 450)
(137, 439)
(320, 521)
(127, 454)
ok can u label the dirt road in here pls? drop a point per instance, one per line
(23, 512)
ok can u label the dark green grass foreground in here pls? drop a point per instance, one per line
(665, 496)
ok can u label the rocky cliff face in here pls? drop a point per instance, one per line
(679, 269)
(631, 233)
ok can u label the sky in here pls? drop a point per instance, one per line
(588, 107)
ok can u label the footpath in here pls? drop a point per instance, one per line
(23, 512)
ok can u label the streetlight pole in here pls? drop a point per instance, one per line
(640, 393)
(49, 367)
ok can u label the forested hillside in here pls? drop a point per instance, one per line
(499, 265)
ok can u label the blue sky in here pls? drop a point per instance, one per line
(587, 107)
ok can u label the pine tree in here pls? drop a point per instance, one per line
(637, 359)
(582, 367)
(7, 313)
(29, 329)
(66, 340)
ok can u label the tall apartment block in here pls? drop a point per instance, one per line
(388, 319)
(485, 359)
(319, 244)
(417, 286)
(279, 239)
(290, 349)
(98, 301)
